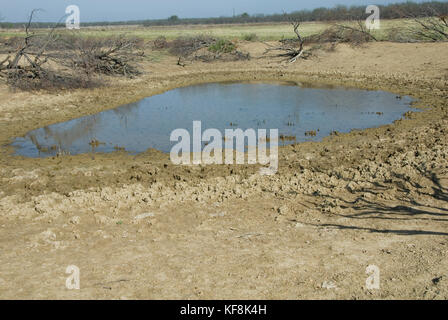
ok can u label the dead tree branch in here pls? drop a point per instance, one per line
(22, 64)
(291, 51)
(111, 56)
(430, 26)
(361, 29)
(27, 67)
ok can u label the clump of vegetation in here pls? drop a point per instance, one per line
(311, 133)
(430, 24)
(205, 49)
(250, 37)
(353, 35)
(222, 46)
(110, 56)
(431, 29)
(287, 138)
(160, 43)
(424, 24)
(94, 143)
(185, 46)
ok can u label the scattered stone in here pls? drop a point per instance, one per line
(299, 225)
(219, 214)
(144, 216)
(328, 285)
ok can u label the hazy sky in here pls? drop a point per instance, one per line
(114, 10)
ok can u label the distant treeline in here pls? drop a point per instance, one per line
(340, 12)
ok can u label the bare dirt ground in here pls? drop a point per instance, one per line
(139, 227)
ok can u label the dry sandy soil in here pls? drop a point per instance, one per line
(373, 197)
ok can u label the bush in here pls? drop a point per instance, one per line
(206, 49)
(222, 46)
(250, 37)
(160, 43)
(109, 56)
(421, 30)
(341, 34)
(185, 46)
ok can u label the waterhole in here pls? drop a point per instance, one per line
(300, 114)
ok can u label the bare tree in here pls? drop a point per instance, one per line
(26, 68)
(29, 58)
(291, 50)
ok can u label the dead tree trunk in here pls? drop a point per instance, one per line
(297, 53)
(291, 51)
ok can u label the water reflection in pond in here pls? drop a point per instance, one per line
(300, 114)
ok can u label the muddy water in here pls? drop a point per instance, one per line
(300, 114)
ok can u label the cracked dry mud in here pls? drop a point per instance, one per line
(140, 227)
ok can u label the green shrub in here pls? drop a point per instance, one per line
(222, 46)
(250, 37)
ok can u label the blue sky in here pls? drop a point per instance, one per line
(119, 10)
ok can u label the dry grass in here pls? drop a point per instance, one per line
(263, 31)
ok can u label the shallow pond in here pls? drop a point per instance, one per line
(299, 114)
